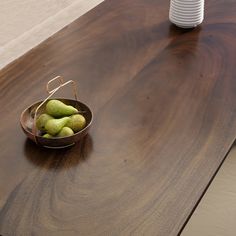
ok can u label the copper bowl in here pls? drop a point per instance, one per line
(27, 123)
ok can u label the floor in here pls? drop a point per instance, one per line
(216, 213)
(26, 23)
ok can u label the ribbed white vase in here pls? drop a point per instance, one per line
(186, 13)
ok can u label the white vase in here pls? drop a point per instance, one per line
(186, 13)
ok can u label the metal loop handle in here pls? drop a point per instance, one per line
(51, 93)
(61, 80)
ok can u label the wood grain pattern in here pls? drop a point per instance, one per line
(164, 107)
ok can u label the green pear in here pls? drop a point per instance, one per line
(47, 136)
(42, 120)
(76, 122)
(54, 126)
(58, 109)
(65, 131)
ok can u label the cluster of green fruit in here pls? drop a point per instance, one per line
(60, 120)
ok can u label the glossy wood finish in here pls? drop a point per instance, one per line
(164, 107)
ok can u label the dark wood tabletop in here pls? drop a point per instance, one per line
(164, 104)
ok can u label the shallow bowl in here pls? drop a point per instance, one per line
(27, 123)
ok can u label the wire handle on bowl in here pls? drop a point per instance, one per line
(51, 93)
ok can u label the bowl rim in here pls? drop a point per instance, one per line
(55, 138)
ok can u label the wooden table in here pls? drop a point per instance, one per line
(164, 102)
